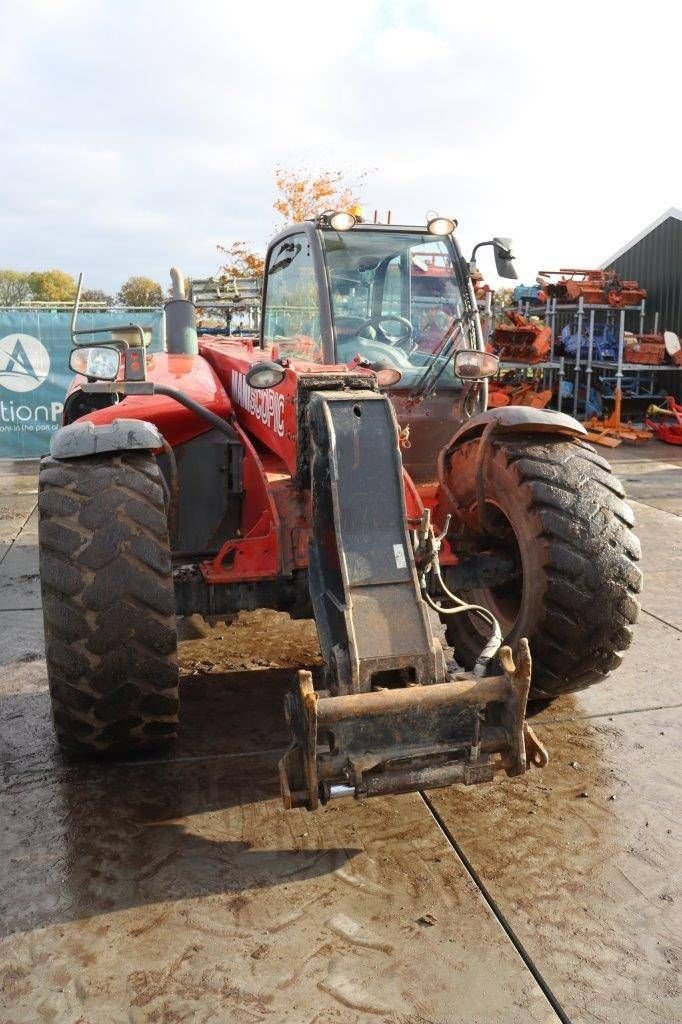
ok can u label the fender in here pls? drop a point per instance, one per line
(510, 419)
(519, 419)
(86, 438)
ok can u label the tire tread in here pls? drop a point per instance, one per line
(108, 603)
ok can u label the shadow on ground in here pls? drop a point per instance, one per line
(90, 837)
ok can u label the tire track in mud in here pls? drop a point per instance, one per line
(495, 910)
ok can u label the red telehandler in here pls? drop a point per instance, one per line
(343, 465)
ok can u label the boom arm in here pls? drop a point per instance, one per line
(389, 720)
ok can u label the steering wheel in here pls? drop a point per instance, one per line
(375, 321)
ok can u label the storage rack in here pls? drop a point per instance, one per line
(587, 312)
(583, 309)
(549, 366)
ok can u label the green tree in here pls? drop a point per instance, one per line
(140, 291)
(52, 286)
(14, 288)
(96, 295)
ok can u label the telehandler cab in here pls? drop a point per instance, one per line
(343, 465)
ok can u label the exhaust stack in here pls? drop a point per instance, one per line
(181, 324)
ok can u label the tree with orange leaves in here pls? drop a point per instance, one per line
(241, 261)
(302, 195)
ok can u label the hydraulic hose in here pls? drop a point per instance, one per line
(495, 640)
(428, 543)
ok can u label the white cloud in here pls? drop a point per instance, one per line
(139, 134)
(404, 47)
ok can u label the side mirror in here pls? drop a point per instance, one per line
(504, 258)
(472, 364)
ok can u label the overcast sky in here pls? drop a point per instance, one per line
(135, 134)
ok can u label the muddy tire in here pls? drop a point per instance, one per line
(108, 603)
(555, 503)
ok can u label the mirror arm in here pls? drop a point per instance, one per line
(505, 253)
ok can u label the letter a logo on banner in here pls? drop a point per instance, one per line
(24, 362)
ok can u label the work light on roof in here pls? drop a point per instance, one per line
(342, 220)
(440, 225)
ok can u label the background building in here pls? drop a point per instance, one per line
(654, 258)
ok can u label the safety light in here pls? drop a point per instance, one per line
(440, 225)
(342, 220)
(98, 362)
(265, 375)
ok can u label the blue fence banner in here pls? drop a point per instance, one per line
(34, 371)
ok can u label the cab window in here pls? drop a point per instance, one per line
(292, 310)
(396, 297)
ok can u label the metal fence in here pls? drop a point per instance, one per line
(34, 370)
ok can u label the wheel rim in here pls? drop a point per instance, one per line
(503, 601)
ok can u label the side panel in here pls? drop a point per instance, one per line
(190, 374)
(209, 505)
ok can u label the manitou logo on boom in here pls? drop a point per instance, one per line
(263, 403)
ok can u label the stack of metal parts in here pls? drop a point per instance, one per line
(595, 287)
(521, 340)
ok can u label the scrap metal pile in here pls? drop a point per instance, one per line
(521, 340)
(595, 287)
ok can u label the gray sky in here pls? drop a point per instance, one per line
(138, 134)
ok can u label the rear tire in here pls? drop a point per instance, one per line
(108, 603)
(565, 516)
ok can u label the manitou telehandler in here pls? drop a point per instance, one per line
(342, 465)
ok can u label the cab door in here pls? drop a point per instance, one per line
(292, 314)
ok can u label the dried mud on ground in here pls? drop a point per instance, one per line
(253, 640)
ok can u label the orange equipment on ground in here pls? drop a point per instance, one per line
(670, 432)
(521, 340)
(517, 394)
(611, 430)
(596, 287)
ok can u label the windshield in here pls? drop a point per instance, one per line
(395, 296)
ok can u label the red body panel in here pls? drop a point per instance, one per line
(275, 517)
(190, 374)
(269, 414)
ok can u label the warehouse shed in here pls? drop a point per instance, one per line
(654, 258)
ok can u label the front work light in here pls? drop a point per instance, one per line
(341, 220)
(265, 375)
(441, 225)
(98, 362)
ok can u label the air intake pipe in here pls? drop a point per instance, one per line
(181, 323)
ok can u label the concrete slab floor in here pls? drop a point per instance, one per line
(175, 889)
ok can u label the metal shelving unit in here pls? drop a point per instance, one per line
(567, 367)
(550, 366)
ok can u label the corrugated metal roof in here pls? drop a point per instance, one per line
(672, 212)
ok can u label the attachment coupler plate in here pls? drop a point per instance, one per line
(408, 738)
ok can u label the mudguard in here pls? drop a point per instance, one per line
(510, 419)
(521, 419)
(86, 438)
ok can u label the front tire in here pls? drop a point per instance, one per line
(108, 603)
(558, 508)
